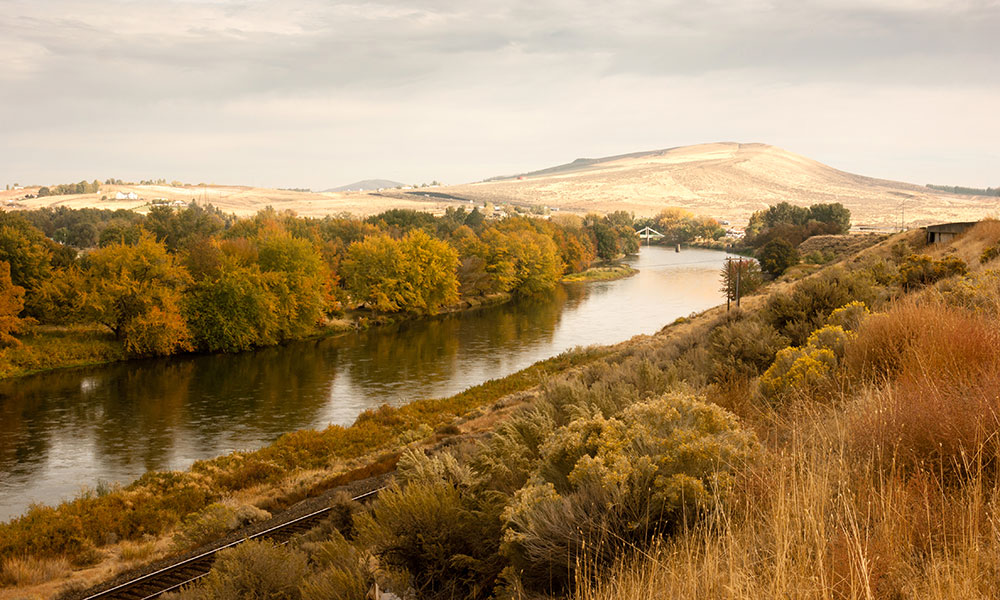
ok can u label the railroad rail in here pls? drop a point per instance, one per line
(190, 570)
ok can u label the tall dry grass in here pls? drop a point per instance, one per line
(814, 522)
(889, 492)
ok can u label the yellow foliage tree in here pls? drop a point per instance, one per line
(11, 304)
(135, 290)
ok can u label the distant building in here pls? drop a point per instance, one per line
(946, 232)
(126, 196)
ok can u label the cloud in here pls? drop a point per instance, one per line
(457, 91)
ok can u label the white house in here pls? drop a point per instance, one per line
(126, 196)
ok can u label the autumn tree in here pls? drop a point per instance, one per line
(26, 250)
(415, 273)
(11, 304)
(740, 277)
(135, 291)
(296, 278)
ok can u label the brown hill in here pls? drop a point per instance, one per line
(724, 180)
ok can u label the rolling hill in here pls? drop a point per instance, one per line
(723, 180)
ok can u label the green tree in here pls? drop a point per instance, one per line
(776, 256)
(230, 307)
(834, 214)
(744, 272)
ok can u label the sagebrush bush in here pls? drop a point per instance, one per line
(742, 349)
(604, 484)
(801, 311)
(258, 570)
(436, 531)
(806, 371)
(342, 570)
(849, 316)
(920, 269)
(978, 292)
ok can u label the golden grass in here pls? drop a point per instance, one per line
(32, 571)
(601, 274)
(814, 522)
(51, 347)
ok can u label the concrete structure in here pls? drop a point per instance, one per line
(946, 232)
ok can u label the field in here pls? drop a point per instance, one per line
(239, 200)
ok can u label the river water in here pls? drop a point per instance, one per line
(66, 430)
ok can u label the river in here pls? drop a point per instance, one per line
(66, 430)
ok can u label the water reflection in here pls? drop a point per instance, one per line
(63, 430)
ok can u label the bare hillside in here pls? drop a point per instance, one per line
(724, 180)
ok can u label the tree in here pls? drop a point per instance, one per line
(135, 291)
(296, 277)
(744, 272)
(416, 273)
(834, 215)
(11, 304)
(776, 256)
(26, 249)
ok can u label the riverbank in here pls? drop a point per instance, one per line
(46, 348)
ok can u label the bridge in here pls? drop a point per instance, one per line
(648, 233)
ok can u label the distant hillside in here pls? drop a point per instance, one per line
(366, 185)
(726, 180)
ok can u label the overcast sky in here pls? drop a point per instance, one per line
(317, 93)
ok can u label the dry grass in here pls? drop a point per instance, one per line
(815, 522)
(130, 552)
(32, 571)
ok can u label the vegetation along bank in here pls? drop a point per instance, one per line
(88, 286)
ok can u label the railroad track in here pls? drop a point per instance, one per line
(190, 570)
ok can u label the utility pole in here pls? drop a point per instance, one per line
(739, 268)
(729, 274)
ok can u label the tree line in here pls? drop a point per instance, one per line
(64, 189)
(197, 279)
(971, 191)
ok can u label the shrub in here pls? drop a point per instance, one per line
(978, 292)
(742, 349)
(919, 269)
(801, 372)
(798, 313)
(605, 484)
(342, 574)
(260, 570)
(989, 253)
(849, 316)
(208, 524)
(436, 530)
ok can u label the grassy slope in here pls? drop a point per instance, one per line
(883, 489)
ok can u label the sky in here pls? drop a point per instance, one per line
(319, 93)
